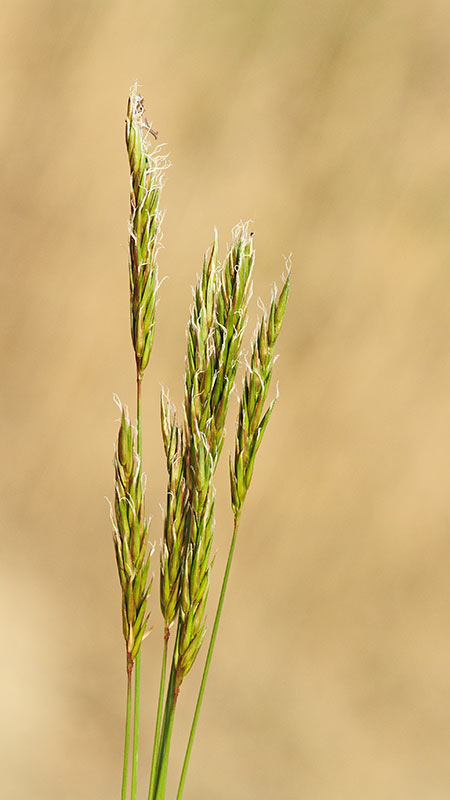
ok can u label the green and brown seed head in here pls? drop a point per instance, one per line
(201, 357)
(131, 532)
(215, 330)
(197, 562)
(147, 166)
(231, 318)
(174, 539)
(252, 420)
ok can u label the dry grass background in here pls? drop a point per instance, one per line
(328, 124)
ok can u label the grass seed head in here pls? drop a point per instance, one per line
(147, 166)
(172, 551)
(252, 421)
(131, 532)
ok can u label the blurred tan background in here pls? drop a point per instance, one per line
(326, 123)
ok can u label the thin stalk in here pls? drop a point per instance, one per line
(156, 740)
(166, 721)
(208, 659)
(139, 414)
(126, 747)
(171, 702)
(137, 682)
(137, 673)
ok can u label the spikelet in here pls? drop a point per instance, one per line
(173, 545)
(252, 419)
(197, 563)
(201, 360)
(147, 165)
(231, 318)
(214, 336)
(131, 531)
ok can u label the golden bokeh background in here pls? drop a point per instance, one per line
(327, 123)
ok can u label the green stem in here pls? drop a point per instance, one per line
(139, 414)
(166, 719)
(171, 702)
(137, 681)
(208, 660)
(137, 674)
(156, 741)
(126, 747)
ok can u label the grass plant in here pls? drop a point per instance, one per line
(192, 447)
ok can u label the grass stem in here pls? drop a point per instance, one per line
(139, 414)
(137, 672)
(126, 747)
(164, 750)
(208, 660)
(157, 739)
(137, 681)
(167, 723)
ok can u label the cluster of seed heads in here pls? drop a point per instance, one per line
(214, 341)
(214, 338)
